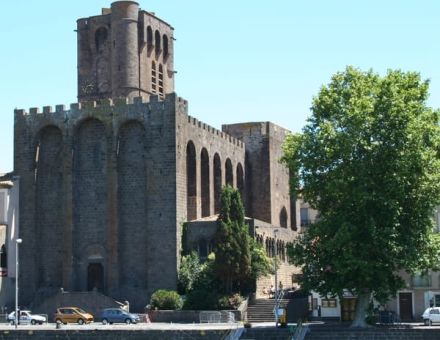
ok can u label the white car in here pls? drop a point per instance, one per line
(431, 315)
(26, 318)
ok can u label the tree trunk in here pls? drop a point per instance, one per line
(363, 300)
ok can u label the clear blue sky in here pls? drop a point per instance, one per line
(237, 61)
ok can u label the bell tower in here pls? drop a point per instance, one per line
(124, 52)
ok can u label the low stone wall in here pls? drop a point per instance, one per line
(114, 334)
(182, 316)
(373, 334)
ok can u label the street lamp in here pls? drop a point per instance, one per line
(275, 232)
(18, 242)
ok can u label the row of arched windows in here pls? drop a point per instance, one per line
(159, 42)
(274, 248)
(205, 183)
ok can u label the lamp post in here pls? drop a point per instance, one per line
(275, 232)
(18, 242)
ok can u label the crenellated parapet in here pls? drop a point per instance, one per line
(120, 104)
(215, 132)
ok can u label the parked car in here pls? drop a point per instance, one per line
(26, 317)
(114, 315)
(431, 315)
(72, 315)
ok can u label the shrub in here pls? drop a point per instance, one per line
(200, 299)
(189, 272)
(166, 300)
(230, 301)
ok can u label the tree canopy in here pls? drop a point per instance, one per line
(368, 161)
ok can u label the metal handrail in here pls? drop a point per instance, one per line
(300, 331)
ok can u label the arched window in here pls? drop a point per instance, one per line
(161, 91)
(229, 174)
(217, 182)
(283, 217)
(153, 77)
(165, 46)
(204, 176)
(3, 257)
(100, 39)
(191, 182)
(149, 37)
(240, 180)
(157, 41)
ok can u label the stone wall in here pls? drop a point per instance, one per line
(267, 180)
(99, 187)
(148, 334)
(328, 333)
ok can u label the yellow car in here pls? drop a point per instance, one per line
(72, 315)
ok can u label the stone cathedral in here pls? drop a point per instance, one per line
(107, 183)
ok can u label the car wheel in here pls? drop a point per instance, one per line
(127, 321)
(80, 322)
(104, 321)
(33, 322)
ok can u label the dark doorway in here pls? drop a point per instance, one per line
(405, 306)
(95, 277)
(348, 308)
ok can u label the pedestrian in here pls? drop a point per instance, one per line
(272, 292)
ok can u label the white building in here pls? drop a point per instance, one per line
(9, 205)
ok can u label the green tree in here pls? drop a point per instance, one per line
(261, 264)
(232, 253)
(368, 161)
(189, 272)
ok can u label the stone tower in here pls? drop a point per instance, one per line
(124, 52)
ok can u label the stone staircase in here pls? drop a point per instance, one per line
(262, 310)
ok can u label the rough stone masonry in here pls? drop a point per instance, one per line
(106, 184)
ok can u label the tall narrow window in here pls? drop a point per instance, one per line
(229, 175)
(161, 91)
(240, 181)
(191, 181)
(153, 78)
(283, 218)
(165, 46)
(205, 183)
(100, 39)
(3, 258)
(157, 42)
(149, 37)
(217, 182)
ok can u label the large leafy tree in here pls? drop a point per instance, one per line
(232, 252)
(368, 161)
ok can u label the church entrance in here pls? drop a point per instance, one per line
(95, 277)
